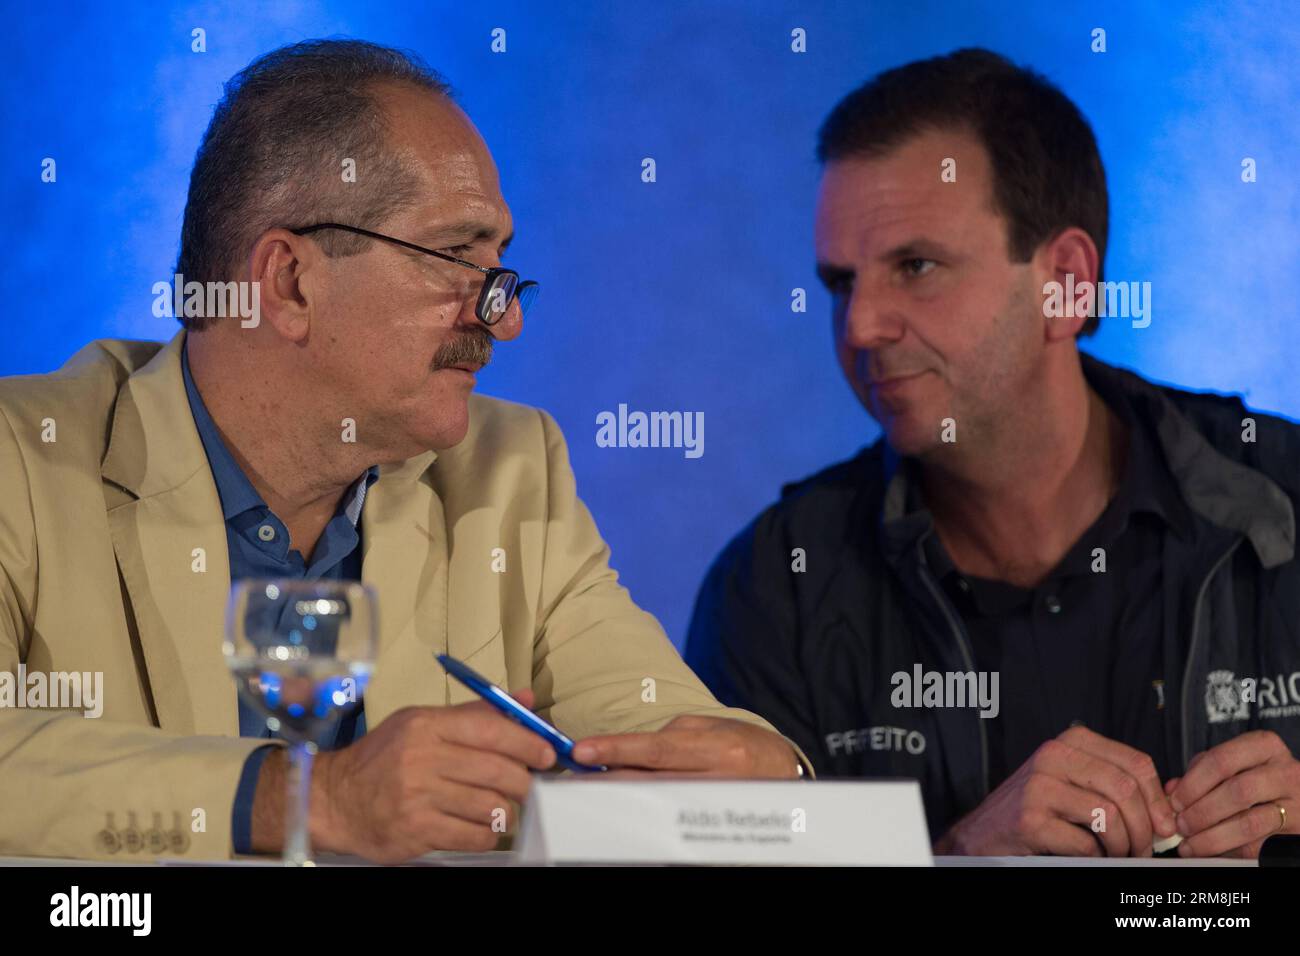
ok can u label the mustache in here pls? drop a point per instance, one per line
(469, 348)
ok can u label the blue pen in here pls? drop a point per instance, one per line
(516, 711)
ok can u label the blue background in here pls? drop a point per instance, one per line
(676, 295)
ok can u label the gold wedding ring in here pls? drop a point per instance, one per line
(1282, 810)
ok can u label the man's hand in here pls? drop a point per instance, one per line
(695, 747)
(427, 778)
(1049, 804)
(1227, 802)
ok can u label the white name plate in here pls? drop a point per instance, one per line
(804, 823)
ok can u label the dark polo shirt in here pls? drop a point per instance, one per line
(1084, 646)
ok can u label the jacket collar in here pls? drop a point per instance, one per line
(152, 415)
(1224, 492)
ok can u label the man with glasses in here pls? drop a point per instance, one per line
(337, 436)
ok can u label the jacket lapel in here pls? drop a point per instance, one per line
(404, 558)
(431, 599)
(475, 586)
(170, 543)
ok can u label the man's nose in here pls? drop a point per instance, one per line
(870, 320)
(510, 325)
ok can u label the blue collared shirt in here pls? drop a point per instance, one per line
(258, 544)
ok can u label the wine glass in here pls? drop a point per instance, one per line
(301, 653)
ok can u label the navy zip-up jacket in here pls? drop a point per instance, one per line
(810, 639)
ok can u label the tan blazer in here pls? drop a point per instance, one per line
(105, 495)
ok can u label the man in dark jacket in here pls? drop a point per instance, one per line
(1064, 599)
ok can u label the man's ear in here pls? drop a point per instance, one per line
(279, 263)
(1068, 265)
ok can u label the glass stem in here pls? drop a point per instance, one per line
(297, 838)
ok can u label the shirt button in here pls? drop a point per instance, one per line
(266, 533)
(1053, 605)
(963, 584)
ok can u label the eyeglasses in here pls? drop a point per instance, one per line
(500, 286)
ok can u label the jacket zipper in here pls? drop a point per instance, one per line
(959, 634)
(1191, 651)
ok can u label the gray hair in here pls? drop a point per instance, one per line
(273, 154)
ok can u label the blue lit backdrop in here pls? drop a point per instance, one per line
(676, 295)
